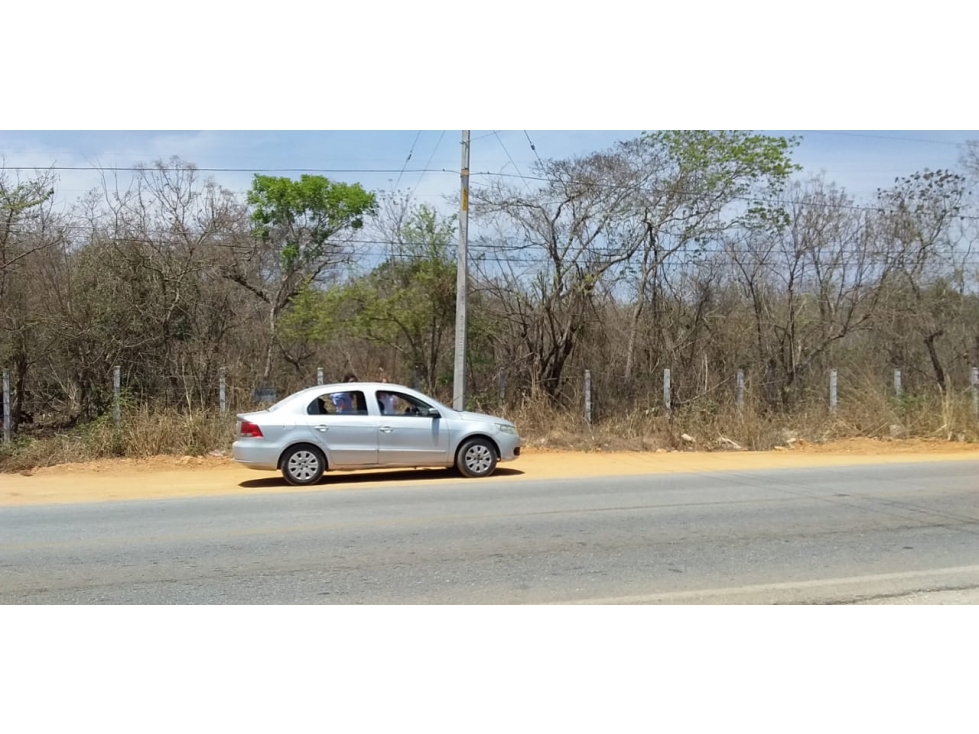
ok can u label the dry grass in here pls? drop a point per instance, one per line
(142, 433)
(867, 412)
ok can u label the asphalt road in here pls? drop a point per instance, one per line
(871, 534)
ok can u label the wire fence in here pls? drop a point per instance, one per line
(233, 398)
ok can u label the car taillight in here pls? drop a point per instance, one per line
(250, 430)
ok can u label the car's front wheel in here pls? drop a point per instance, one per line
(303, 465)
(476, 458)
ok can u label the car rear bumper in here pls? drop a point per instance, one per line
(261, 457)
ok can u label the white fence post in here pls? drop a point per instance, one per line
(116, 383)
(222, 391)
(832, 391)
(588, 397)
(319, 375)
(667, 403)
(6, 406)
(739, 392)
(897, 384)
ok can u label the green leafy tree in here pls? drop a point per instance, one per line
(300, 231)
(20, 212)
(407, 302)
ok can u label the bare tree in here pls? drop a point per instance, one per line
(920, 212)
(810, 284)
(28, 228)
(690, 188)
(567, 227)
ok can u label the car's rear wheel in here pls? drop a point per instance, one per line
(476, 458)
(302, 465)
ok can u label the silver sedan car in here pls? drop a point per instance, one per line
(368, 425)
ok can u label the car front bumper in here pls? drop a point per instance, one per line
(509, 446)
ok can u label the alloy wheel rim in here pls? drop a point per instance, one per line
(478, 458)
(303, 465)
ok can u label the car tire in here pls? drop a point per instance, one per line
(476, 458)
(303, 465)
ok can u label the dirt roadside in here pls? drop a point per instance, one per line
(161, 477)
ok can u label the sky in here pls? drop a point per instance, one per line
(859, 160)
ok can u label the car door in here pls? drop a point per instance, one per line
(349, 439)
(407, 435)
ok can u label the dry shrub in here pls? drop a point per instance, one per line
(865, 411)
(143, 432)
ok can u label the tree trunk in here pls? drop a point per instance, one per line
(644, 276)
(267, 372)
(935, 361)
(630, 348)
(17, 399)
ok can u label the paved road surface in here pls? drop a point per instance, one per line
(879, 534)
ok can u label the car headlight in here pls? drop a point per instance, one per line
(505, 428)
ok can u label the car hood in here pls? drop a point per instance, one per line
(467, 416)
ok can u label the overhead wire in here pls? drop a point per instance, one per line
(752, 199)
(534, 148)
(515, 166)
(425, 170)
(149, 169)
(519, 174)
(477, 250)
(412, 150)
(503, 252)
(427, 164)
(898, 138)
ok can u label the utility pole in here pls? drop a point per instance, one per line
(462, 282)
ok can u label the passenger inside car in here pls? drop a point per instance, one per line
(356, 404)
(386, 402)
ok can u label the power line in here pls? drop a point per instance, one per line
(514, 163)
(879, 137)
(136, 169)
(753, 199)
(412, 150)
(117, 238)
(534, 148)
(481, 251)
(427, 164)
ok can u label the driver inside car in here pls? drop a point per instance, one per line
(385, 401)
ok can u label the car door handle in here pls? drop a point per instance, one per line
(322, 429)
(385, 429)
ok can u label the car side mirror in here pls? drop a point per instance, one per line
(434, 413)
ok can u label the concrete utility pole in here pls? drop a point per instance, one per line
(462, 282)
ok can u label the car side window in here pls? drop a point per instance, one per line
(320, 405)
(387, 402)
(344, 403)
(396, 403)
